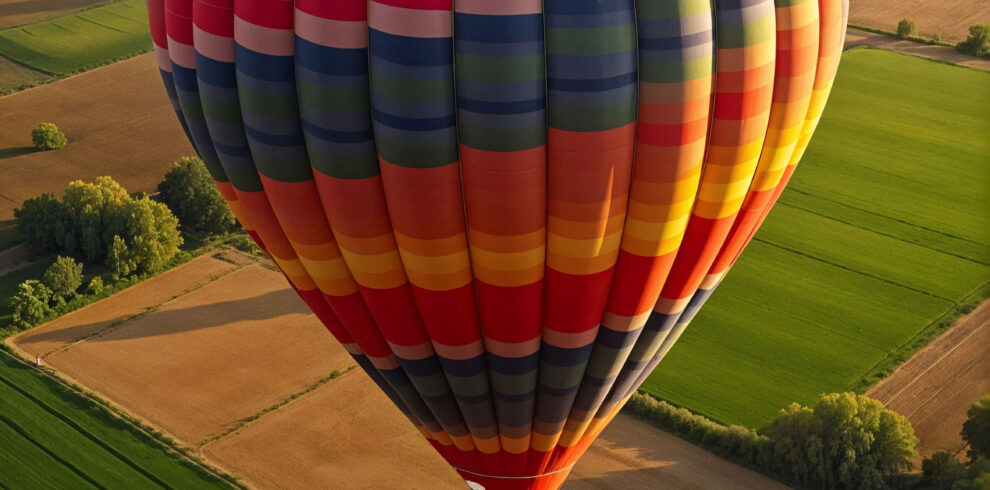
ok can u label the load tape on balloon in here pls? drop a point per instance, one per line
(506, 211)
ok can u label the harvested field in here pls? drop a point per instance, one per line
(856, 38)
(347, 435)
(210, 358)
(14, 76)
(99, 316)
(109, 130)
(237, 368)
(14, 258)
(20, 12)
(947, 18)
(938, 384)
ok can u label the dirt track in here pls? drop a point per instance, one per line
(947, 18)
(118, 121)
(13, 258)
(937, 385)
(856, 37)
(237, 341)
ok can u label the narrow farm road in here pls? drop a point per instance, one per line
(856, 38)
(936, 386)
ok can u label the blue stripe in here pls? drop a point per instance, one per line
(263, 66)
(331, 61)
(571, 85)
(411, 50)
(498, 29)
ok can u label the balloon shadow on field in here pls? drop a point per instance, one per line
(163, 321)
(16, 151)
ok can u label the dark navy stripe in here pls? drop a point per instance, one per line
(411, 50)
(413, 124)
(597, 85)
(263, 66)
(498, 29)
(331, 61)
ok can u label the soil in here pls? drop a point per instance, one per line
(856, 37)
(936, 387)
(14, 258)
(950, 19)
(118, 121)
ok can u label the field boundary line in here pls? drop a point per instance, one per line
(888, 235)
(909, 346)
(840, 266)
(153, 434)
(88, 435)
(27, 437)
(874, 213)
(150, 309)
(247, 421)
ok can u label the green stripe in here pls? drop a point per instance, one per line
(670, 9)
(344, 168)
(489, 139)
(591, 42)
(334, 100)
(412, 90)
(500, 69)
(592, 118)
(267, 105)
(223, 111)
(676, 71)
(284, 171)
(417, 156)
(751, 33)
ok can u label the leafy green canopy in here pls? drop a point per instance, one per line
(189, 191)
(99, 222)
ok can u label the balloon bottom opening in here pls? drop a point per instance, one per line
(546, 481)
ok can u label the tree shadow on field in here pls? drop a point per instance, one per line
(16, 151)
(267, 306)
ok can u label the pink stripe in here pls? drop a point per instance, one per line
(499, 7)
(332, 33)
(181, 54)
(212, 46)
(161, 56)
(409, 22)
(265, 40)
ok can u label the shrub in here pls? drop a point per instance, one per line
(190, 192)
(63, 277)
(118, 258)
(978, 42)
(844, 441)
(905, 28)
(976, 429)
(47, 137)
(936, 38)
(31, 304)
(88, 218)
(95, 286)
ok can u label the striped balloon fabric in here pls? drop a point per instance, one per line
(506, 211)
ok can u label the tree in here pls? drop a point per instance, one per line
(30, 304)
(47, 137)
(42, 221)
(978, 42)
(63, 277)
(92, 206)
(118, 258)
(95, 286)
(976, 429)
(905, 28)
(189, 191)
(844, 441)
(150, 232)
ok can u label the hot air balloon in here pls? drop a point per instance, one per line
(506, 211)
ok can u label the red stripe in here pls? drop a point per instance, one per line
(213, 19)
(350, 10)
(451, 317)
(516, 323)
(276, 14)
(575, 303)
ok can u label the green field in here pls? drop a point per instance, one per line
(90, 38)
(882, 231)
(53, 437)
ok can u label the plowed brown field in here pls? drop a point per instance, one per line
(950, 19)
(228, 367)
(937, 385)
(118, 121)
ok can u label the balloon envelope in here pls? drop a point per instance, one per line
(507, 212)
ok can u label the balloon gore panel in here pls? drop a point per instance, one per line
(507, 212)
